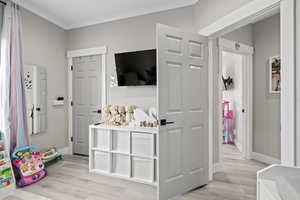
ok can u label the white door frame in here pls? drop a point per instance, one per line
(247, 79)
(79, 53)
(248, 13)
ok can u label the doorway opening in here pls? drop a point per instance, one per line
(87, 94)
(235, 97)
(250, 92)
(232, 105)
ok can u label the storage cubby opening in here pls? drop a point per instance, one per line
(142, 144)
(101, 139)
(121, 141)
(121, 164)
(142, 169)
(101, 161)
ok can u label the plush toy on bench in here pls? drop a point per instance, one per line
(29, 165)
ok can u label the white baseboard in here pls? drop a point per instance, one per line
(218, 167)
(264, 158)
(65, 150)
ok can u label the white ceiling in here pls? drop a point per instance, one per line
(70, 14)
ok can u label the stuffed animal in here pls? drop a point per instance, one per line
(115, 117)
(122, 113)
(106, 114)
(129, 113)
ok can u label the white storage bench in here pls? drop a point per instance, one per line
(124, 152)
(278, 182)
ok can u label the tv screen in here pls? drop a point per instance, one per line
(136, 68)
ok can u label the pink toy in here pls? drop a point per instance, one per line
(29, 165)
(228, 123)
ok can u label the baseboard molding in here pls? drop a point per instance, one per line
(65, 150)
(218, 167)
(264, 158)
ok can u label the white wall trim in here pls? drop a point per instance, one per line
(240, 17)
(264, 158)
(78, 53)
(288, 88)
(218, 167)
(248, 14)
(298, 82)
(87, 52)
(211, 108)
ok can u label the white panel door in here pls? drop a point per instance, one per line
(86, 99)
(39, 99)
(183, 103)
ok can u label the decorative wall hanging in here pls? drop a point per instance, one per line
(228, 83)
(275, 74)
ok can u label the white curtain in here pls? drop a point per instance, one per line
(13, 120)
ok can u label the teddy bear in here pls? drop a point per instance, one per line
(129, 113)
(115, 116)
(122, 113)
(106, 114)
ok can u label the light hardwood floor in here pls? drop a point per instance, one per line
(70, 180)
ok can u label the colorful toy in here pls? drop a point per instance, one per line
(6, 172)
(228, 123)
(51, 155)
(29, 165)
(6, 177)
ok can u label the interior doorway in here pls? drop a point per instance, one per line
(87, 94)
(87, 99)
(235, 97)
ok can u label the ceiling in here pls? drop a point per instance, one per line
(70, 14)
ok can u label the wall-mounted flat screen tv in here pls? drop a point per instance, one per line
(136, 68)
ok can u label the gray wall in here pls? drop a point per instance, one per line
(129, 35)
(266, 113)
(208, 11)
(44, 45)
(243, 35)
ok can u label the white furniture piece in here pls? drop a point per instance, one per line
(278, 182)
(124, 152)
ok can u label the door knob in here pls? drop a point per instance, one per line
(38, 109)
(98, 111)
(164, 122)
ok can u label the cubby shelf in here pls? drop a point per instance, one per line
(124, 152)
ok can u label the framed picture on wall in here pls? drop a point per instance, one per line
(275, 75)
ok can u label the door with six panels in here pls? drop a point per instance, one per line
(182, 90)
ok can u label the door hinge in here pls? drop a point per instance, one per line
(71, 139)
(72, 68)
(72, 103)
